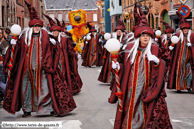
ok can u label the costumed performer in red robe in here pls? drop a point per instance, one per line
(142, 104)
(93, 50)
(35, 84)
(181, 73)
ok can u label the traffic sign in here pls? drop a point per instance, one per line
(145, 9)
(184, 10)
(183, 1)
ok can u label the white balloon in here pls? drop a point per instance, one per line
(158, 33)
(88, 37)
(107, 36)
(112, 45)
(16, 29)
(174, 39)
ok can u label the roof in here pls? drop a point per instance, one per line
(58, 4)
(84, 4)
(70, 4)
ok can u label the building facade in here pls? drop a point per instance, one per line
(60, 9)
(8, 14)
(101, 25)
(175, 4)
(38, 5)
(20, 12)
(158, 10)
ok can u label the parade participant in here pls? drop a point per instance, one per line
(67, 57)
(63, 61)
(88, 27)
(3, 42)
(8, 63)
(2, 77)
(142, 104)
(181, 73)
(2, 80)
(119, 32)
(106, 74)
(35, 84)
(63, 27)
(7, 35)
(164, 41)
(93, 50)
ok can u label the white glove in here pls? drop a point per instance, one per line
(121, 45)
(153, 58)
(88, 34)
(78, 55)
(189, 44)
(105, 46)
(100, 40)
(86, 42)
(52, 41)
(156, 39)
(171, 47)
(13, 41)
(118, 66)
(124, 46)
(115, 65)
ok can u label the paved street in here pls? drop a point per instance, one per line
(94, 112)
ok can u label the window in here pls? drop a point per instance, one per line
(156, 21)
(95, 18)
(19, 21)
(60, 17)
(120, 2)
(103, 13)
(41, 11)
(22, 22)
(52, 16)
(66, 17)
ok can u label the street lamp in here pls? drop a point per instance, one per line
(113, 46)
(15, 30)
(107, 36)
(158, 33)
(174, 39)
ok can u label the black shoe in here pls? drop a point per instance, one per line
(189, 90)
(178, 91)
(26, 114)
(53, 113)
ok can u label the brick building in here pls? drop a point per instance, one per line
(158, 10)
(60, 9)
(101, 25)
(20, 12)
(7, 12)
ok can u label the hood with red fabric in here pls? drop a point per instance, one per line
(34, 18)
(54, 25)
